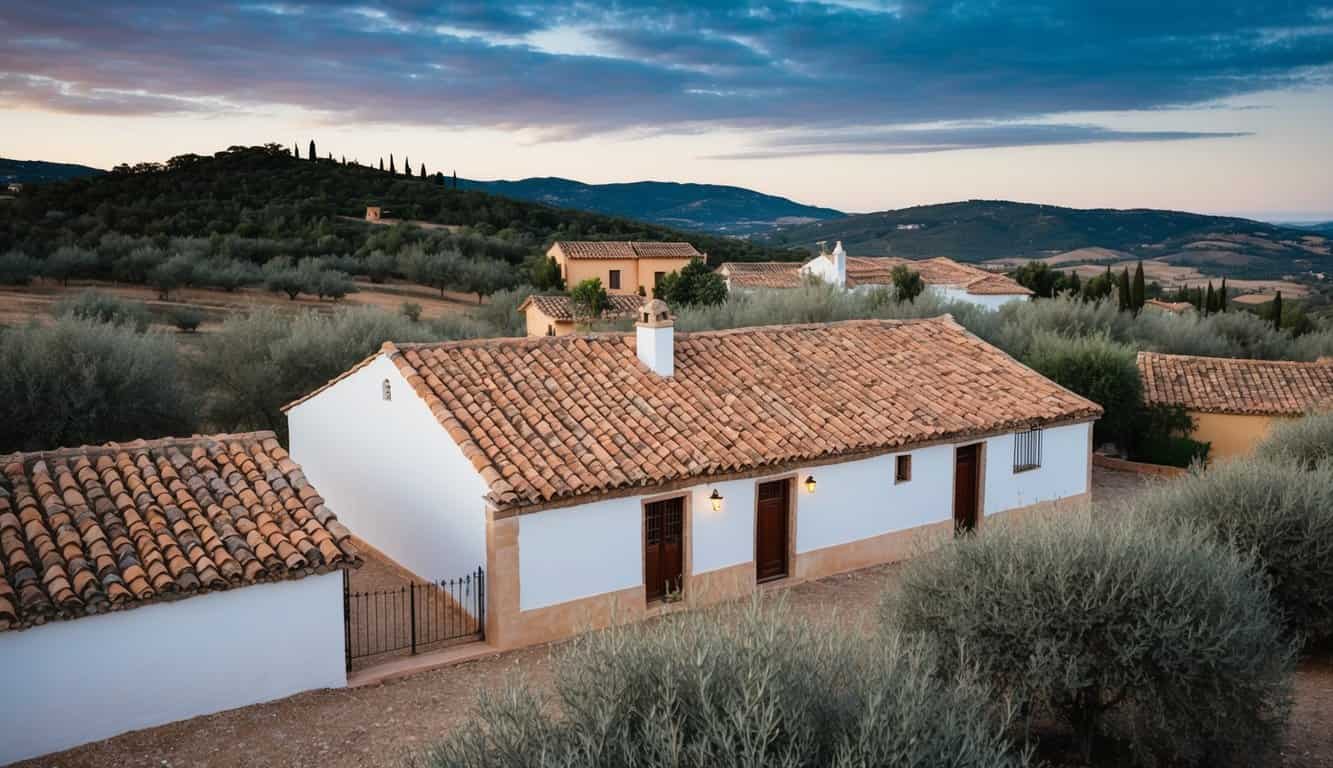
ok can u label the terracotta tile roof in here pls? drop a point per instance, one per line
(561, 308)
(762, 274)
(550, 419)
(623, 249)
(1229, 385)
(878, 270)
(102, 528)
(1177, 307)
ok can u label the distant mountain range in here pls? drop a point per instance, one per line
(700, 207)
(33, 171)
(988, 230)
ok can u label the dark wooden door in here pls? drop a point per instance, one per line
(663, 546)
(770, 558)
(967, 474)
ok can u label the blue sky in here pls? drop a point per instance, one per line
(1217, 106)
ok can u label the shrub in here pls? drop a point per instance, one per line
(694, 284)
(743, 687)
(105, 308)
(411, 310)
(907, 283)
(1307, 441)
(77, 381)
(186, 319)
(501, 314)
(69, 262)
(380, 266)
(1161, 435)
(1275, 509)
(1097, 368)
(174, 273)
(1165, 642)
(18, 268)
(588, 299)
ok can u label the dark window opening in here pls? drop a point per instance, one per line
(614, 279)
(1027, 450)
(903, 471)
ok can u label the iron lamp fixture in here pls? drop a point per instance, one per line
(809, 483)
(716, 501)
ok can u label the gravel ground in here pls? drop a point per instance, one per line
(379, 725)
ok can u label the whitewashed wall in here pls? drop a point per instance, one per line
(1065, 453)
(391, 473)
(858, 499)
(575, 552)
(70, 682)
(955, 293)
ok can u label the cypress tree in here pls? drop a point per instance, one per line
(407, 166)
(1210, 300)
(296, 151)
(455, 179)
(1137, 295)
(391, 168)
(1222, 297)
(1126, 299)
(381, 163)
(423, 170)
(1277, 311)
(312, 149)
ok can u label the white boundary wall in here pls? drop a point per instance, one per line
(578, 552)
(71, 682)
(391, 473)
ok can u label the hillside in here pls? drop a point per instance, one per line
(698, 207)
(985, 230)
(33, 171)
(265, 202)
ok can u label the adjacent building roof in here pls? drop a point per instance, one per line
(102, 528)
(1228, 385)
(549, 419)
(623, 249)
(562, 308)
(1175, 307)
(762, 274)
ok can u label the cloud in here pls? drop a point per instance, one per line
(910, 141)
(580, 68)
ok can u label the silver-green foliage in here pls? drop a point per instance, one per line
(77, 381)
(1279, 510)
(105, 308)
(1161, 642)
(1308, 441)
(739, 687)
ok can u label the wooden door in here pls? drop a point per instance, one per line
(663, 546)
(966, 482)
(770, 557)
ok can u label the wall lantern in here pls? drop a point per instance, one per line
(809, 483)
(716, 501)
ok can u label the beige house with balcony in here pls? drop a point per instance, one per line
(624, 267)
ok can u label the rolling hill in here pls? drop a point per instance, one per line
(988, 230)
(712, 208)
(33, 171)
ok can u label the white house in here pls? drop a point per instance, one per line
(612, 474)
(99, 546)
(946, 278)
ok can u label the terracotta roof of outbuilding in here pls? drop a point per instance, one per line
(625, 249)
(1230, 385)
(878, 270)
(102, 528)
(1176, 307)
(762, 274)
(619, 306)
(549, 419)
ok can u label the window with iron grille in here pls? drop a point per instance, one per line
(1027, 450)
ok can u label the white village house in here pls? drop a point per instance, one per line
(147, 582)
(948, 279)
(604, 474)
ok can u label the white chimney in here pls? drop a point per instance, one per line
(839, 261)
(654, 337)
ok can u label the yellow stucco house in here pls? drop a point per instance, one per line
(623, 267)
(554, 315)
(1235, 403)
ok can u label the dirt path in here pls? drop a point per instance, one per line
(378, 725)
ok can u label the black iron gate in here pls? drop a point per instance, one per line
(416, 617)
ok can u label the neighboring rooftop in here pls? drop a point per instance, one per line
(618, 306)
(625, 249)
(1175, 307)
(762, 274)
(877, 270)
(103, 528)
(1229, 385)
(551, 419)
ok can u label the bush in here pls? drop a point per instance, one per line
(380, 266)
(186, 319)
(69, 262)
(743, 687)
(1306, 441)
(694, 284)
(18, 268)
(411, 310)
(588, 299)
(501, 314)
(78, 382)
(1275, 509)
(1161, 435)
(105, 308)
(1097, 368)
(1166, 643)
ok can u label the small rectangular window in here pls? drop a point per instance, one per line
(903, 471)
(1027, 450)
(657, 284)
(614, 281)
